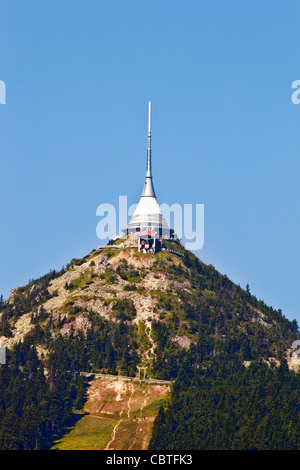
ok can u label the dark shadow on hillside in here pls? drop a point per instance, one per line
(70, 425)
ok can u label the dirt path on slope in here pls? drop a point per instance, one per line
(113, 436)
(131, 406)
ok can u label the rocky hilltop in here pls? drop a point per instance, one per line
(162, 306)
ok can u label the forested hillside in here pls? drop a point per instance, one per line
(34, 408)
(116, 309)
(228, 406)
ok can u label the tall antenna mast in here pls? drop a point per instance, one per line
(148, 174)
(148, 188)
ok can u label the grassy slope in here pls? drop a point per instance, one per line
(90, 433)
(118, 415)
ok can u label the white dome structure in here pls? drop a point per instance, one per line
(148, 215)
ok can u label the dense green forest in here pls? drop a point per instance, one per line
(34, 408)
(220, 318)
(217, 402)
(228, 406)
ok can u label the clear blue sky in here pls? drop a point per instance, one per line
(73, 131)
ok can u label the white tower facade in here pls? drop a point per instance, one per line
(148, 215)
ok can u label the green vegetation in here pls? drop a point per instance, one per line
(90, 433)
(144, 341)
(167, 300)
(128, 273)
(35, 410)
(219, 317)
(154, 407)
(108, 347)
(124, 309)
(228, 407)
(77, 262)
(216, 401)
(108, 276)
(27, 298)
(95, 431)
(130, 287)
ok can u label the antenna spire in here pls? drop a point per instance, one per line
(148, 188)
(148, 174)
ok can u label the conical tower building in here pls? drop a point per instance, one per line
(148, 215)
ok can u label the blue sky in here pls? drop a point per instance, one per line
(225, 133)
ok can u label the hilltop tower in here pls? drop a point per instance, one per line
(148, 216)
